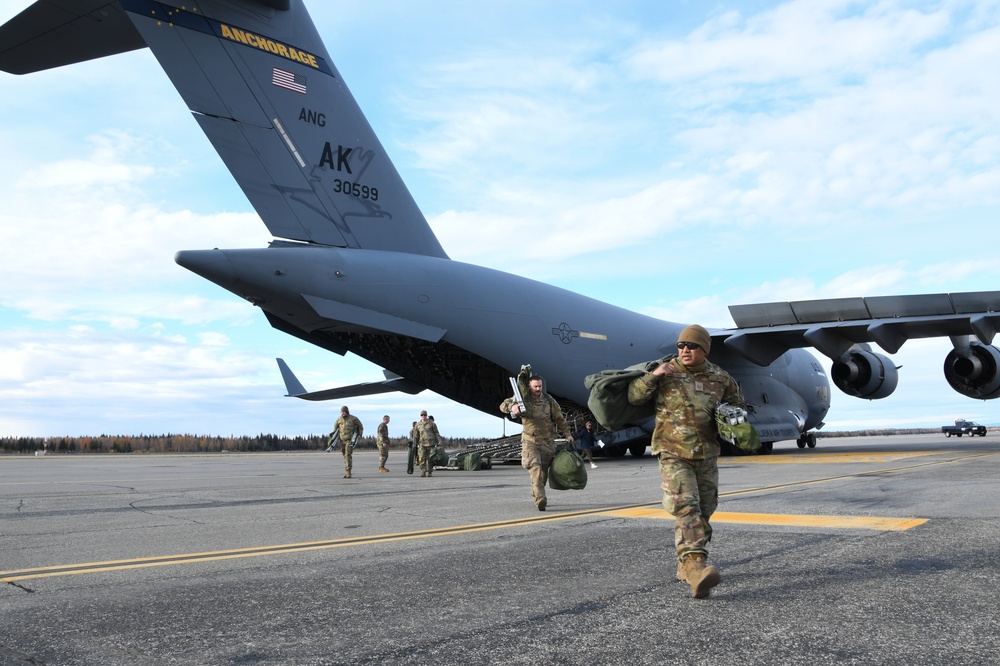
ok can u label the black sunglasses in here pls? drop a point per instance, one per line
(690, 345)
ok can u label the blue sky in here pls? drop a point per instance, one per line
(670, 157)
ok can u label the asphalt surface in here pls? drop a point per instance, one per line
(861, 551)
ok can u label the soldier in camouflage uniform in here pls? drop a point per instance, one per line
(687, 390)
(427, 437)
(382, 440)
(414, 450)
(349, 429)
(542, 420)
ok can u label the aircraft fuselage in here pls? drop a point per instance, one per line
(461, 329)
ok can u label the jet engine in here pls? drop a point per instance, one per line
(973, 371)
(865, 374)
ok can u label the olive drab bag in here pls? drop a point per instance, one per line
(608, 400)
(471, 462)
(567, 470)
(732, 425)
(439, 457)
(411, 456)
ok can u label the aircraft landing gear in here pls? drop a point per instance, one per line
(809, 439)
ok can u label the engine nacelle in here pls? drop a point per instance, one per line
(865, 374)
(973, 372)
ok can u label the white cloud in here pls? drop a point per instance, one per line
(809, 149)
(96, 249)
(897, 136)
(805, 39)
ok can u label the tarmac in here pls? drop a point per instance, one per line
(880, 550)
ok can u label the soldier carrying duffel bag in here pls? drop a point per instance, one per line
(568, 471)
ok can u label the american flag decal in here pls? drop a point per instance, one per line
(285, 79)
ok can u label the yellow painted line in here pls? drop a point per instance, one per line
(786, 519)
(633, 511)
(212, 556)
(643, 510)
(822, 457)
(856, 475)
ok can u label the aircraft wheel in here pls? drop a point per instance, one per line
(766, 448)
(637, 450)
(811, 440)
(801, 442)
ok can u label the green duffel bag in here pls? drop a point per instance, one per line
(439, 457)
(608, 400)
(567, 471)
(470, 462)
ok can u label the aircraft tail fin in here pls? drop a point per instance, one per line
(261, 85)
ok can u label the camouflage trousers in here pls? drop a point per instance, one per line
(536, 459)
(383, 455)
(690, 495)
(426, 463)
(348, 458)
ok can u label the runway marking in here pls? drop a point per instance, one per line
(819, 457)
(644, 510)
(787, 519)
(852, 475)
(647, 510)
(211, 556)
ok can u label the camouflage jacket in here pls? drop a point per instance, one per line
(427, 434)
(542, 420)
(347, 426)
(383, 434)
(685, 408)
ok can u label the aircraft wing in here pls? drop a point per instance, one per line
(393, 382)
(832, 326)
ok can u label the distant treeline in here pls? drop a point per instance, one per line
(196, 443)
(878, 432)
(265, 443)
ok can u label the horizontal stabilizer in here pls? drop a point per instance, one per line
(393, 382)
(53, 33)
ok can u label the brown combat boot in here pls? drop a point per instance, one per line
(423, 474)
(700, 576)
(347, 475)
(382, 469)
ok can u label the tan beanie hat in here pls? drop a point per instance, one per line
(698, 334)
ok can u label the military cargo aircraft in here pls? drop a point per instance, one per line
(355, 267)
